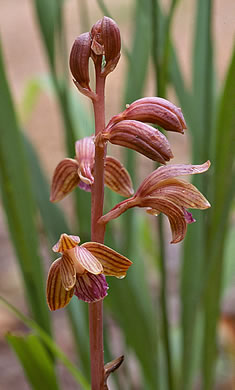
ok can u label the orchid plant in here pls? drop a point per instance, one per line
(81, 269)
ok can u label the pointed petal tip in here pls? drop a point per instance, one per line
(66, 242)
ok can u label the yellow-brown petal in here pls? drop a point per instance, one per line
(140, 137)
(182, 193)
(117, 178)
(64, 180)
(114, 264)
(88, 261)
(152, 181)
(66, 242)
(68, 272)
(57, 296)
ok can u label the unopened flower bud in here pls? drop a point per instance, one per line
(140, 137)
(154, 110)
(106, 41)
(79, 63)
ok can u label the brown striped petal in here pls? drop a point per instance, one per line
(66, 242)
(152, 181)
(119, 209)
(182, 193)
(117, 178)
(68, 272)
(85, 155)
(174, 213)
(79, 59)
(57, 296)
(64, 180)
(140, 137)
(88, 261)
(114, 264)
(91, 288)
(111, 39)
(106, 41)
(154, 110)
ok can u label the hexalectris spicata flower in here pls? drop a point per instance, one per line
(161, 192)
(81, 271)
(71, 173)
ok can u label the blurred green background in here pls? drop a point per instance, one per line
(173, 316)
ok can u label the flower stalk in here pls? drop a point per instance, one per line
(97, 234)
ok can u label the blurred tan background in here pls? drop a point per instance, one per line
(25, 60)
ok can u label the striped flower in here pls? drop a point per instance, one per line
(161, 192)
(81, 271)
(71, 173)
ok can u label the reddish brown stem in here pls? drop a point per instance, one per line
(97, 234)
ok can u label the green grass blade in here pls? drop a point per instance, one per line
(194, 264)
(224, 193)
(48, 15)
(139, 55)
(203, 70)
(55, 350)
(35, 360)
(19, 205)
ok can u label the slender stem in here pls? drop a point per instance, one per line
(97, 234)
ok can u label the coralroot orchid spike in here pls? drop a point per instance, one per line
(80, 271)
(160, 192)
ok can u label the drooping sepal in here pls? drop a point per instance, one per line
(117, 178)
(57, 296)
(64, 180)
